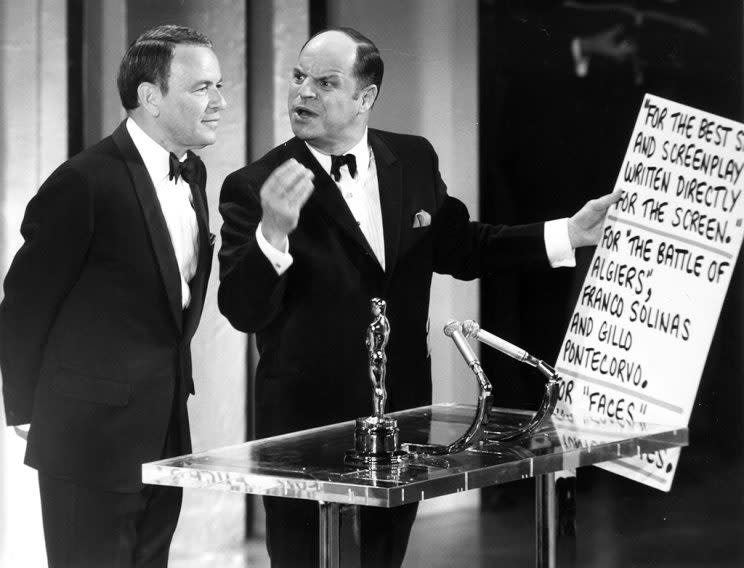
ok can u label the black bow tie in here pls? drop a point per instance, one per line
(186, 169)
(338, 161)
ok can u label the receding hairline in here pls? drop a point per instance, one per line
(320, 35)
(361, 44)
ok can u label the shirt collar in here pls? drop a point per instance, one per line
(153, 154)
(361, 153)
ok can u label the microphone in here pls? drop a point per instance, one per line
(471, 329)
(452, 330)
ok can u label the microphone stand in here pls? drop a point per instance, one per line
(476, 431)
(494, 431)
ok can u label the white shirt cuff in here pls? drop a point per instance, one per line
(558, 245)
(581, 61)
(22, 430)
(280, 260)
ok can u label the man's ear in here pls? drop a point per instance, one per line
(149, 97)
(369, 96)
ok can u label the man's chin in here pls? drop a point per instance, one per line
(302, 131)
(207, 139)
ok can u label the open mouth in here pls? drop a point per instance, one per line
(303, 112)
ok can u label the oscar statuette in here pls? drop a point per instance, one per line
(376, 444)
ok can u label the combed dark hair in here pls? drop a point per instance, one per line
(149, 57)
(368, 67)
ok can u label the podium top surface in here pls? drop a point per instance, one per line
(310, 464)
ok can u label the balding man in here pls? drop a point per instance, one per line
(339, 214)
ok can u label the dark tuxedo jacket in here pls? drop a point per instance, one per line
(94, 343)
(310, 322)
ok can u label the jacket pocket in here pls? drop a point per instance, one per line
(73, 384)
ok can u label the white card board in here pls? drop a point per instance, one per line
(642, 326)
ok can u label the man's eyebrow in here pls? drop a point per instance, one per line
(330, 76)
(207, 82)
(324, 76)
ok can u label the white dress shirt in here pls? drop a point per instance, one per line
(362, 195)
(176, 204)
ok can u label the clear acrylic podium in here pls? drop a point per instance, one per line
(310, 465)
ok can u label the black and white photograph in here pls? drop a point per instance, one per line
(371, 283)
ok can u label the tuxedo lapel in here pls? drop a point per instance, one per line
(155, 222)
(198, 282)
(390, 181)
(198, 197)
(328, 197)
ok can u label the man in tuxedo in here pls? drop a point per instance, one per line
(101, 303)
(312, 231)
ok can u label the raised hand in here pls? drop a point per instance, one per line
(585, 227)
(283, 194)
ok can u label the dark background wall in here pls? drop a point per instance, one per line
(550, 141)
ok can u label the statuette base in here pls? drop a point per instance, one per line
(376, 445)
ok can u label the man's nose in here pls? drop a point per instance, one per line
(216, 100)
(306, 90)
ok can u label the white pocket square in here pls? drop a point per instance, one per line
(421, 219)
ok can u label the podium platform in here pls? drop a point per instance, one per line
(310, 465)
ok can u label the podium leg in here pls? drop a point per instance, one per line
(329, 534)
(545, 520)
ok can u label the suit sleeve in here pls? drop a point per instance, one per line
(469, 249)
(57, 229)
(251, 293)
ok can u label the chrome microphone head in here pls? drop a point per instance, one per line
(451, 327)
(470, 328)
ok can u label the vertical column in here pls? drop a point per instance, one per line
(104, 42)
(329, 542)
(277, 30)
(33, 141)
(430, 88)
(545, 521)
